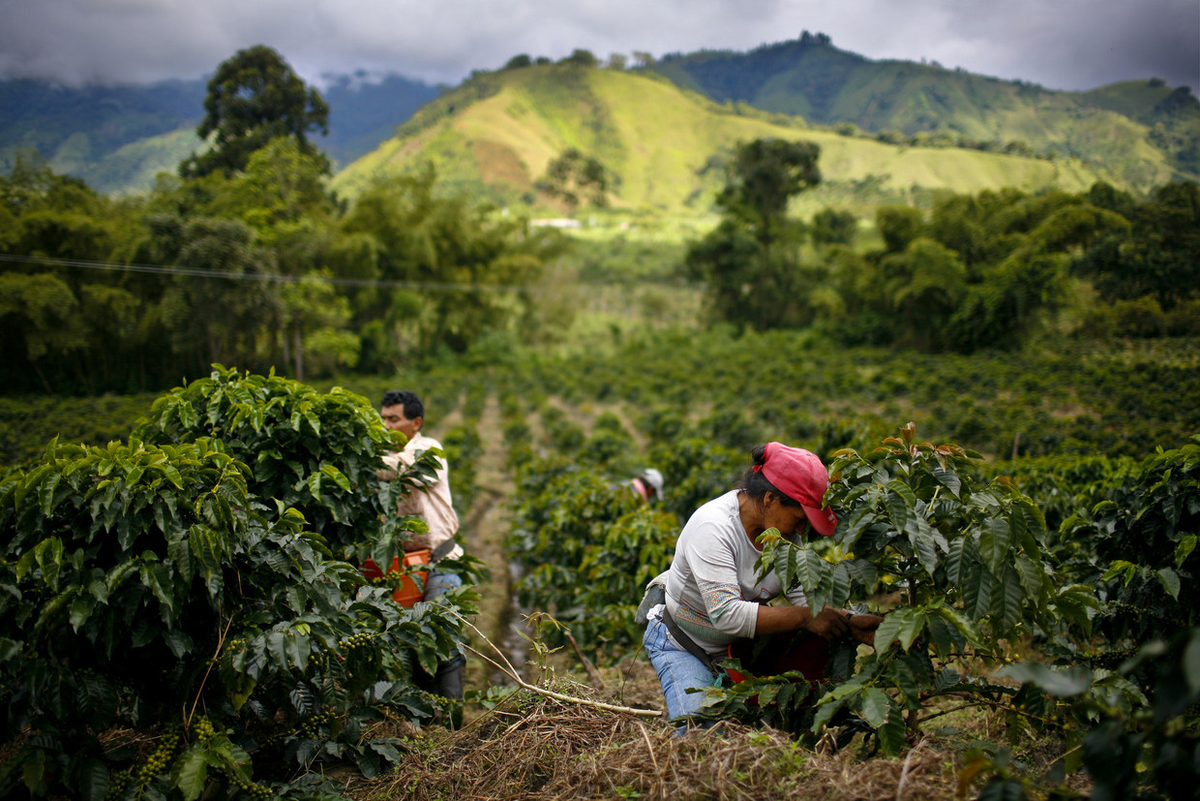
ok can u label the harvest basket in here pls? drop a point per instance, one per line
(408, 593)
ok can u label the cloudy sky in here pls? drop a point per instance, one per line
(1061, 44)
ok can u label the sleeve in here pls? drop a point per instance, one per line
(797, 597)
(715, 570)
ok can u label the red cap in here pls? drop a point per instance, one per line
(799, 474)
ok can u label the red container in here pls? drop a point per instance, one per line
(804, 652)
(408, 593)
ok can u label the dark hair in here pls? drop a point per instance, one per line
(756, 485)
(413, 408)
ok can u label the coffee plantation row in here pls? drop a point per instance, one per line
(183, 613)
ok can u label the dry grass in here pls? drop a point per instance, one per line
(531, 747)
(549, 750)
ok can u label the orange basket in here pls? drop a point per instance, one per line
(408, 593)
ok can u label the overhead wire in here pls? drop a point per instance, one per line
(263, 277)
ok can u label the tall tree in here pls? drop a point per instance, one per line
(763, 177)
(751, 261)
(253, 98)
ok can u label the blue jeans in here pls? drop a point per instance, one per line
(436, 585)
(678, 671)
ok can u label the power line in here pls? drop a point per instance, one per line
(261, 277)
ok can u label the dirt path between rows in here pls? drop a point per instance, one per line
(484, 527)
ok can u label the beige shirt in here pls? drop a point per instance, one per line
(434, 503)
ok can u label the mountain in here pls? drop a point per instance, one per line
(117, 138)
(102, 134)
(1141, 132)
(888, 129)
(364, 111)
(662, 148)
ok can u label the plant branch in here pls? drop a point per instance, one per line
(187, 722)
(591, 669)
(511, 672)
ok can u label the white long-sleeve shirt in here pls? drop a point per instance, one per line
(712, 588)
(434, 503)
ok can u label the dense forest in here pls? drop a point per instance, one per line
(99, 292)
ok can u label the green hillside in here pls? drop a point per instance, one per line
(1140, 132)
(114, 137)
(661, 131)
(118, 138)
(662, 147)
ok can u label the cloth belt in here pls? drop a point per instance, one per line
(687, 642)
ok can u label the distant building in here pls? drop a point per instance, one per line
(560, 222)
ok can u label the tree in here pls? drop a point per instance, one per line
(1160, 255)
(253, 98)
(459, 268)
(763, 177)
(582, 58)
(899, 226)
(832, 227)
(926, 284)
(222, 298)
(40, 311)
(573, 174)
(1164, 252)
(751, 260)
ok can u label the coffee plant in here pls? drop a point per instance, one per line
(965, 560)
(314, 452)
(172, 622)
(587, 546)
(1135, 688)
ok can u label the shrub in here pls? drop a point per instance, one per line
(314, 452)
(170, 628)
(967, 557)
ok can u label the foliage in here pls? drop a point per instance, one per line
(315, 453)
(763, 177)
(586, 546)
(27, 424)
(833, 227)
(254, 97)
(1158, 255)
(154, 600)
(1137, 744)
(1142, 524)
(751, 259)
(965, 556)
(456, 271)
(237, 295)
(573, 178)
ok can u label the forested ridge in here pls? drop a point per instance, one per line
(1140, 132)
(100, 294)
(930, 103)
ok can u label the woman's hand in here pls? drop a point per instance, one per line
(830, 623)
(862, 627)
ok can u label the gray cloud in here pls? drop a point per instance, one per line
(1062, 44)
